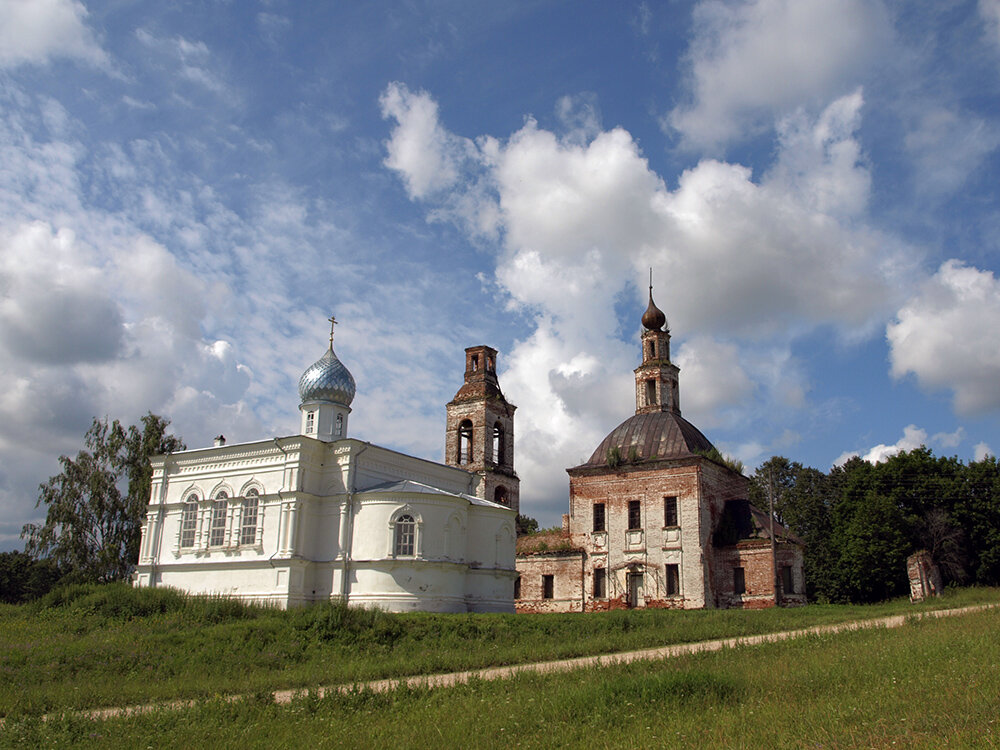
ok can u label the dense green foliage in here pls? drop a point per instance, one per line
(930, 684)
(97, 645)
(525, 525)
(862, 520)
(23, 578)
(96, 505)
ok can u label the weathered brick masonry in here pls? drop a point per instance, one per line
(651, 514)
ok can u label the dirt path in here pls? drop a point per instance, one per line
(498, 673)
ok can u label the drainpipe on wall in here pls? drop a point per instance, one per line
(774, 550)
(281, 500)
(345, 587)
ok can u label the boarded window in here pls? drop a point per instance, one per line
(634, 515)
(548, 586)
(600, 583)
(670, 511)
(739, 581)
(673, 579)
(787, 583)
(599, 517)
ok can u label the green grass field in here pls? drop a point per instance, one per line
(931, 684)
(88, 647)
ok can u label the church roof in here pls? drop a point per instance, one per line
(327, 379)
(654, 435)
(411, 487)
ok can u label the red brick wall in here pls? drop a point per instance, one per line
(565, 567)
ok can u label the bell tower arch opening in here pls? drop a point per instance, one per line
(479, 430)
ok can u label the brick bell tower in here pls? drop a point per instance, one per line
(479, 432)
(656, 381)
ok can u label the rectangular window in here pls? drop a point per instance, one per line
(310, 422)
(599, 517)
(634, 515)
(189, 524)
(651, 392)
(248, 530)
(217, 532)
(739, 581)
(673, 580)
(787, 584)
(670, 511)
(517, 587)
(600, 584)
(548, 586)
(406, 528)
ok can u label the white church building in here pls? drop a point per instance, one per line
(320, 515)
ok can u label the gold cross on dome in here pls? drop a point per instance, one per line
(333, 322)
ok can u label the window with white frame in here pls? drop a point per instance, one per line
(406, 530)
(189, 522)
(310, 422)
(248, 528)
(339, 429)
(217, 529)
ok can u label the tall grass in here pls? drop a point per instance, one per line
(933, 683)
(89, 646)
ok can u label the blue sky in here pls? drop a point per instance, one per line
(188, 191)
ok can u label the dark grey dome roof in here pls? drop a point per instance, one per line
(327, 380)
(658, 434)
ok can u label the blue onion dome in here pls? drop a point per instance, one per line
(327, 380)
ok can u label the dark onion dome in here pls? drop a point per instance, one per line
(327, 380)
(655, 435)
(653, 319)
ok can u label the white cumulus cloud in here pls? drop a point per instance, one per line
(37, 31)
(750, 62)
(948, 337)
(742, 265)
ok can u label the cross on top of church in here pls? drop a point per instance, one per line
(333, 322)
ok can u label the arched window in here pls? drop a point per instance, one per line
(500, 496)
(248, 529)
(652, 349)
(406, 529)
(217, 531)
(498, 445)
(189, 521)
(465, 442)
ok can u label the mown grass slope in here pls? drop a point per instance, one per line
(931, 684)
(98, 646)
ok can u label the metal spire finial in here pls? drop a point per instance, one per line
(333, 322)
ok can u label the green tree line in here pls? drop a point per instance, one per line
(861, 521)
(94, 511)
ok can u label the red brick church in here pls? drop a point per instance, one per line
(657, 519)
